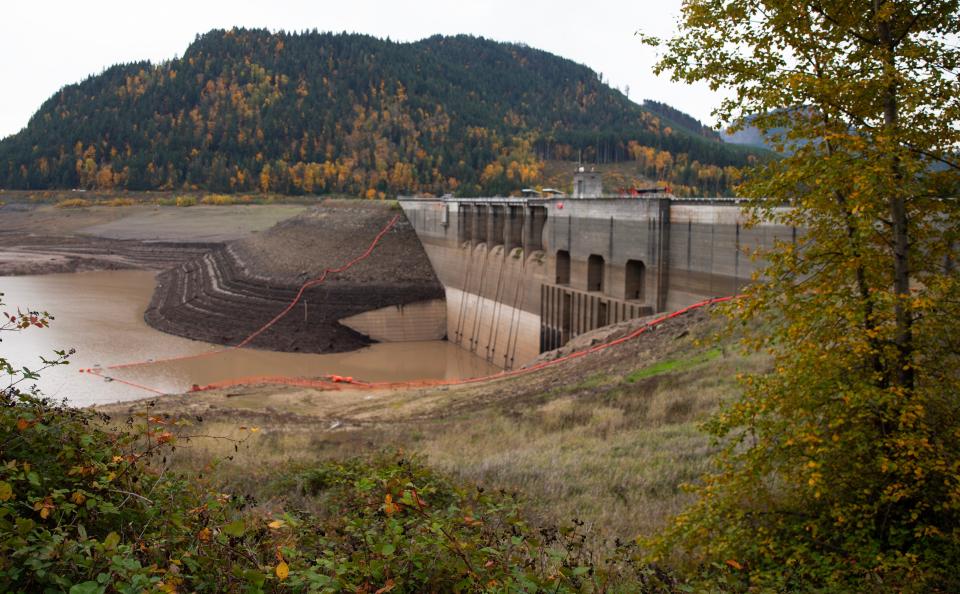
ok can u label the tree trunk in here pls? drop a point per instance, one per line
(903, 375)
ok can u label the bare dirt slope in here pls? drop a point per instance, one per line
(203, 224)
(607, 438)
(330, 234)
(351, 406)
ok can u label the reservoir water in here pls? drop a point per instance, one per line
(100, 314)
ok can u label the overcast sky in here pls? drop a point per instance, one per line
(46, 45)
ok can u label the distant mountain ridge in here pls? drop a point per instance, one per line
(247, 110)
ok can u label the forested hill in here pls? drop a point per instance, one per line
(247, 110)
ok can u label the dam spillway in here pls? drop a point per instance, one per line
(526, 275)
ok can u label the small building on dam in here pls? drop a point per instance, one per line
(524, 275)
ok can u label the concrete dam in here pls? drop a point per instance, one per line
(526, 275)
(506, 278)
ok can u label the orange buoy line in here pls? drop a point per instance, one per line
(337, 382)
(98, 371)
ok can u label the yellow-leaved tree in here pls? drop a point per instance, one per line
(841, 466)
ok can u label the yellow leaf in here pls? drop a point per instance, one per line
(283, 570)
(389, 506)
(6, 491)
(276, 524)
(78, 497)
(44, 507)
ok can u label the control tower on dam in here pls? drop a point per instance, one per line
(526, 275)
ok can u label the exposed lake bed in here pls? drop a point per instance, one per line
(95, 270)
(100, 314)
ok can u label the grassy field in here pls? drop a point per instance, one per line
(606, 439)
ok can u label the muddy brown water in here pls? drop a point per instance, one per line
(100, 314)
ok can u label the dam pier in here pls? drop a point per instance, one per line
(525, 275)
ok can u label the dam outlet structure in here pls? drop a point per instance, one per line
(525, 275)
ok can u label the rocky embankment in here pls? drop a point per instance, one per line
(227, 293)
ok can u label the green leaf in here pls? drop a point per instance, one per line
(25, 526)
(256, 578)
(111, 541)
(87, 588)
(234, 529)
(6, 491)
(387, 549)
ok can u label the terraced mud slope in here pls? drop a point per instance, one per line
(227, 293)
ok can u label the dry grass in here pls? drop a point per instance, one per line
(117, 202)
(228, 199)
(74, 203)
(613, 454)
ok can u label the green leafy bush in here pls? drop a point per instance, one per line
(85, 508)
(391, 522)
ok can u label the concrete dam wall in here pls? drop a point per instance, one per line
(526, 275)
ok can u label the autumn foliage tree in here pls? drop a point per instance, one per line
(841, 467)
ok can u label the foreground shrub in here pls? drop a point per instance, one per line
(219, 200)
(185, 201)
(87, 508)
(118, 202)
(391, 522)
